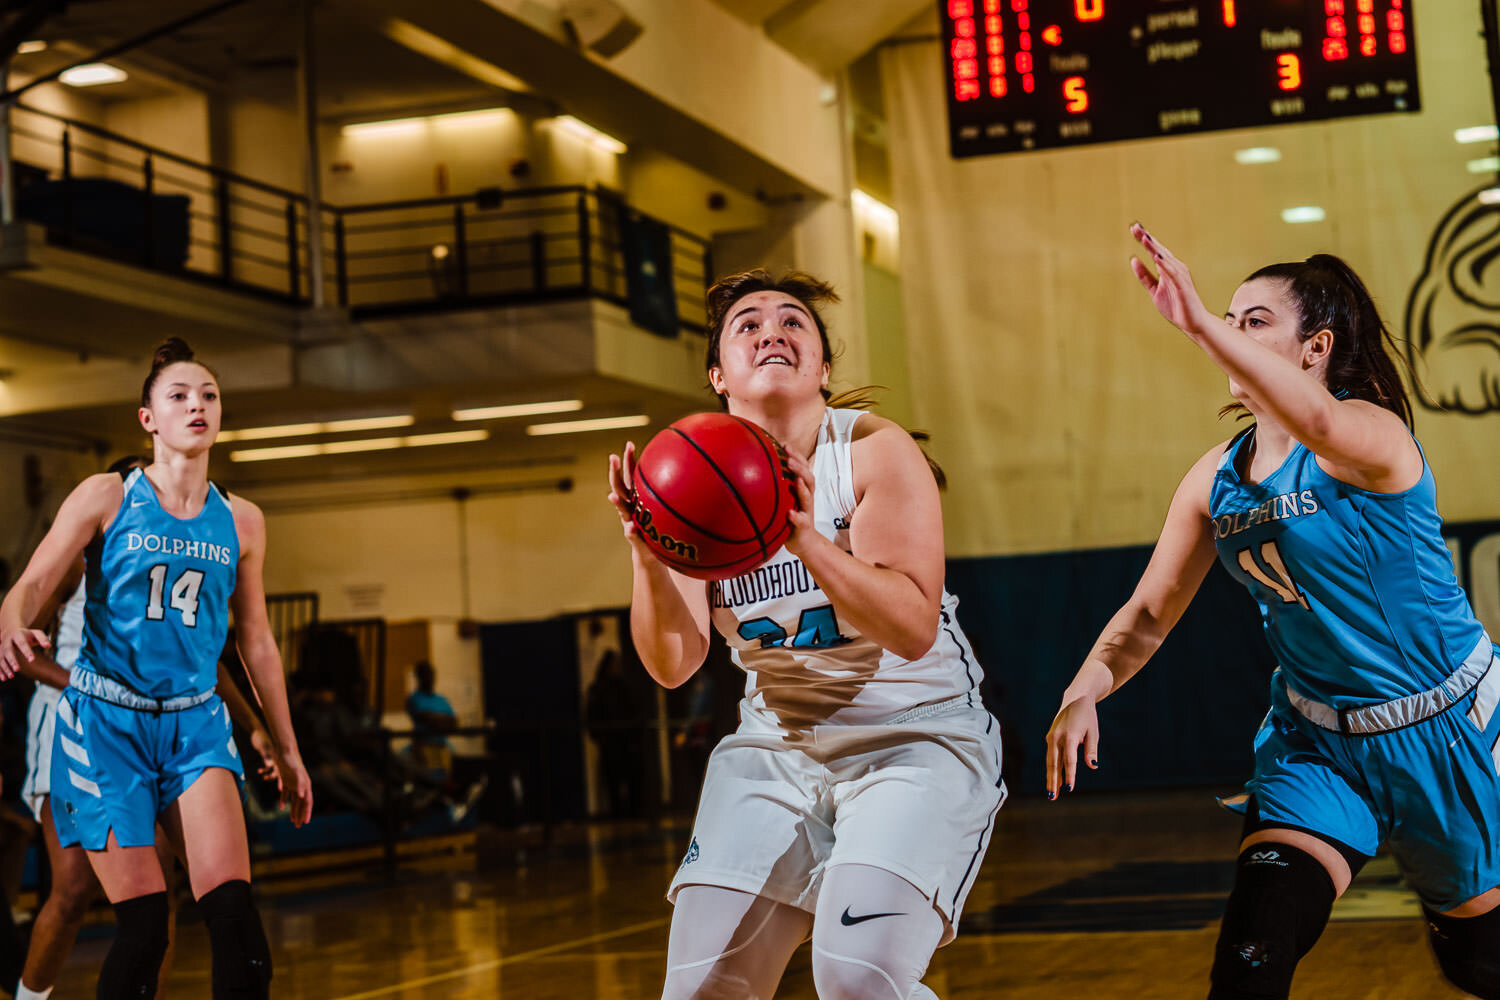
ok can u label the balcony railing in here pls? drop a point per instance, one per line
(105, 194)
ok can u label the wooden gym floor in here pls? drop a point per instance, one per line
(1101, 896)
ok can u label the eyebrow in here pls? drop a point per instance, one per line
(189, 385)
(1251, 309)
(779, 305)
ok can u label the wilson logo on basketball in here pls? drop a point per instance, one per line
(642, 517)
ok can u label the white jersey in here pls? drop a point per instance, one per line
(42, 712)
(70, 628)
(804, 664)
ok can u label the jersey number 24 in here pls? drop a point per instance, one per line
(817, 628)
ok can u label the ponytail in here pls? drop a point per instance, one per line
(1330, 296)
(864, 398)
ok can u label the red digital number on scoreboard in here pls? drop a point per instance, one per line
(1366, 27)
(1288, 71)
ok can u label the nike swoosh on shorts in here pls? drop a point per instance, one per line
(849, 921)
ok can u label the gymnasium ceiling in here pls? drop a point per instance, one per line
(366, 64)
(252, 48)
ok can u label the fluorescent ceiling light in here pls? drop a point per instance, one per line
(27, 48)
(318, 427)
(589, 134)
(581, 426)
(361, 444)
(1257, 154)
(1490, 196)
(417, 123)
(1477, 133)
(369, 423)
(482, 116)
(874, 207)
(92, 75)
(518, 410)
(1484, 165)
(390, 127)
(1303, 213)
(267, 454)
(446, 437)
(356, 445)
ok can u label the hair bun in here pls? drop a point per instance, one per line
(172, 350)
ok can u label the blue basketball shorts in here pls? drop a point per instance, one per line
(116, 768)
(1430, 791)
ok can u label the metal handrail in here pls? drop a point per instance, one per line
(461, 239)
(156, 151)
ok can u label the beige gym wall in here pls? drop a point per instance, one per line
(1063, 407)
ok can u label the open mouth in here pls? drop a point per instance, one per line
(775, 359)
(198, 424)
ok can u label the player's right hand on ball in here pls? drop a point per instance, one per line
(622, 490)
(1076, 725)
(16, 647)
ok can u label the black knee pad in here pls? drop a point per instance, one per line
(130, 969)
(1276, 912)
(1468, 951)
(242, 959)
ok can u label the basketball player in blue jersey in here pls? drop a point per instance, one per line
(72, 886)
(856, 799)
(140, 734)
(1382, 726)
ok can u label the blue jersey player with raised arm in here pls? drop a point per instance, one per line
(141, 736)
(1383, 725)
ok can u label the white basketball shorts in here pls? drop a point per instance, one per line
(41, 718)
(916, 797)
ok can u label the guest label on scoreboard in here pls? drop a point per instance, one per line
(1037, 74)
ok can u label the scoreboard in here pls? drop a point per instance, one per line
(1037, 74)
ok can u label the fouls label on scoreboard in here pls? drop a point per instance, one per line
(1037, 74)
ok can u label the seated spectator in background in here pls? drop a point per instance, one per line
(616, 716)
(432, 718)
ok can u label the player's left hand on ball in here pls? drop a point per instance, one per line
(799, 470)
(622, 490)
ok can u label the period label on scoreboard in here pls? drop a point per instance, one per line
(1039, 74)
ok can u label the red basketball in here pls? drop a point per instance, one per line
(711, 498)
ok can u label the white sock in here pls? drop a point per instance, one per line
(23, 992)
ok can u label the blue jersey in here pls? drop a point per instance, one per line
(158, 586)
(1356, 589)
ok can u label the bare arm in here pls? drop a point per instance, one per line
(43, 668)
(245, 717)
(668, 611)
(1182, 557)
(891, 584)
(82, 516)
(1362, 444)
(262, 659)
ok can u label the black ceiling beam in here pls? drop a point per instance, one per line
(125, 46)
(26, 22)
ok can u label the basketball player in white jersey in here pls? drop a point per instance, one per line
(856, 799)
